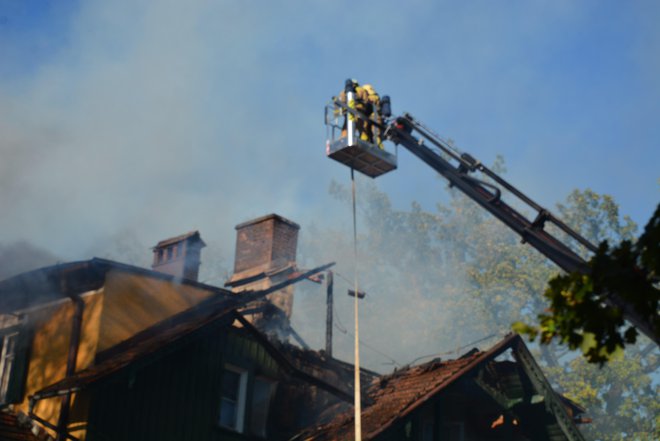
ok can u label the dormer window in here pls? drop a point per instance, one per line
(232, 401)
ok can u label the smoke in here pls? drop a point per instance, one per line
(412, 265)
(157, 121)
(127, 122)
(21, 256)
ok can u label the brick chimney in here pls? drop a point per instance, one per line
(179, 256)
(266, 255)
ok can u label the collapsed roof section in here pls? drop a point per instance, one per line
(515, 390)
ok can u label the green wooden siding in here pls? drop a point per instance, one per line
(176, 396)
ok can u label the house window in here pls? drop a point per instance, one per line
(262, 394)
(454, 431)
(232, 401)
(13, 363)
(7, 357)
(427, 429)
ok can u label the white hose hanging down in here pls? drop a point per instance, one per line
(350, 128)
(357, 403)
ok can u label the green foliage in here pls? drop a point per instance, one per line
(620, 397)
(648, 247)
(587, 311)
(596, 217)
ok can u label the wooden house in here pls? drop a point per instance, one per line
(99, 350)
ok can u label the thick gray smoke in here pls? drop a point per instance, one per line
(159, 119)
(157, 122)
(411, 263)
(123, 123)
(21, 256)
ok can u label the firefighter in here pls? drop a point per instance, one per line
(374, 113)
(364, 106)
(360, 103)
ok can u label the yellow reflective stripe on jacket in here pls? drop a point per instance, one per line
(351, 105)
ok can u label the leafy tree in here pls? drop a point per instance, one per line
(581, 312)
(621, 396)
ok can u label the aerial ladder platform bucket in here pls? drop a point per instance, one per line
(344, 144)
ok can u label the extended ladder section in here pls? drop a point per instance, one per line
(412, 134)
(488, 194)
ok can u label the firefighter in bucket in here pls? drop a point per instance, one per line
(367, 102)
(363, 130)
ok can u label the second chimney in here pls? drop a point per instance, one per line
(179, 256)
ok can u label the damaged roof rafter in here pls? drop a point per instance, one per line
(242, 278)
(290, 368)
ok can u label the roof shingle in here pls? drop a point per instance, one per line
(396, 395)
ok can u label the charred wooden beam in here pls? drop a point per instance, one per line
(328, 313)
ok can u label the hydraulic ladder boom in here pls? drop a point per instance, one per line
(402, 131)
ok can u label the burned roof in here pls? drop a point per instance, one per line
(327, 368)
(147, 342)
(395, 396)
(260, 272)
(48, 284)
(174, 329)
(57, 282)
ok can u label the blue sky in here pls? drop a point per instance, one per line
(159, 118)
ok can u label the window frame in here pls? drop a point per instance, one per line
(449, 426)
(8, 344)
(14, 360)
(262, 430)
(240, 402)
